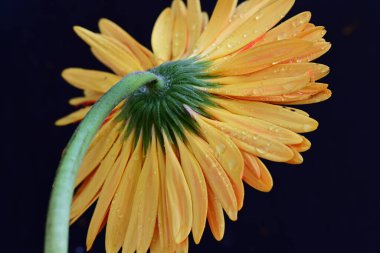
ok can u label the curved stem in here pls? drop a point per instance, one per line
(57, 226)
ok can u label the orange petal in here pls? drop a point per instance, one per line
(219, 19)
(162, 36)
(144, 55)
(214, 174)
(179, 29)
(256, 144)
(256, 174)
(73, 117)
(227, 154)
(261, 57)
(288, 29)
(253, 28)
(145, 203)
(215, 216)
(194, 23)
(178, 196)
(303, 146)
(90, 79)
(294, 120)
(256, 126)
(269, 87)
(297, 158)
(98, 149)
(82, 198)
(108, 192)
(120, 210)
(198, 189)
(117, 58)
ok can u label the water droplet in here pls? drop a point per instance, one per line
(245, 35)
(229, 45)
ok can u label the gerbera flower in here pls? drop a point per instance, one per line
(174, 155)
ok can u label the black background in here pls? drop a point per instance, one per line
(328, 204)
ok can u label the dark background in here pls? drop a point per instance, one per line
(328, 204)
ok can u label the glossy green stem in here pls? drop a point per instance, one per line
(57, 226)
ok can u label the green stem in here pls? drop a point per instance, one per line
(57, 226)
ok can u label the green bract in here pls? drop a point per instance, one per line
(161, 107)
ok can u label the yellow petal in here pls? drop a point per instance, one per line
(253, 28)
(297, 158)
(287, 118)
(82, 198)
(243, 13)
(219, 19)
(183, 247)
(90, 79)
(288, 29)
(269, 87)
(98, 149)
(178, 196)
(215, 216)
(144, 55)
(166, 240)
(120, 211)
(256, 126)
(82, 101)
(179, 29)
(261, 57)
(256, 174)
(198, 189)
(256, 144)
(145, 203)
(194, 23)
(309, 54)
(73, 117)
(317, 98)
(297, 97)
(119, 60)
(108, 192)
(227, 154)
(316, 34)
(214, 174)
(303, 146)
(162, 36)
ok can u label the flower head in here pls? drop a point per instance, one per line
(175, 154)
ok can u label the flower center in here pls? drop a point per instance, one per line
(163, 107)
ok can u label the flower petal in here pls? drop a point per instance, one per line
(90, 79)
(261, 57)
(194, 23)
(82, 198)
(227, 154)
(116, 57)
(108, 192)
(256, 126)
(258, 145)
(120, 211)
(214, 174)
(178, 196)
(215, 216)
(144, 55)
(73, 117)
(253, 28)
(198, 189)
(287, 118)
(145, 203)
(179, 29)
(269, 87)
(288, 29)
(256, 174)
(162, 36)
(98, 149)
(303, 146)
(219, 19)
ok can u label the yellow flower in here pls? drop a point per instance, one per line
(169, 158)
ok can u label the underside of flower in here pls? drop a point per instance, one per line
(165, 108)
(173, 155)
